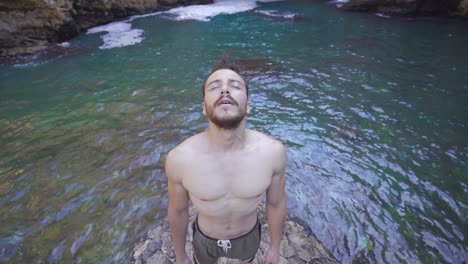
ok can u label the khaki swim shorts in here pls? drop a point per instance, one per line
(207, 250)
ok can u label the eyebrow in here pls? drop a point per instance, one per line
(229, 80)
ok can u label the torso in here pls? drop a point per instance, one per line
(226, 188)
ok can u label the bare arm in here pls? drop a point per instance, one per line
(177, 211)
(276, 204)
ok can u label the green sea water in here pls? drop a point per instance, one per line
(373, 112)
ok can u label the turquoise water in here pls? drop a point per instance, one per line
(372, 110)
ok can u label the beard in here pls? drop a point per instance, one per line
(227, 121)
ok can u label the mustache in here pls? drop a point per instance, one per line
(228, 97)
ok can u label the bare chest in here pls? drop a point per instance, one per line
(238, 177)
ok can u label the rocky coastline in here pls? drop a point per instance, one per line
(27, 26)
(299, 244)
(457, 8)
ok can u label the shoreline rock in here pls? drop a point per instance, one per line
(410, 7)
(299, 244)
(28, 26)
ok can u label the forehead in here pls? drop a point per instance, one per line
(224, 74)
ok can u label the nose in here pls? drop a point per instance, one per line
(225, 89)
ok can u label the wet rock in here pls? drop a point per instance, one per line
(29, 25)
(155, 233)
(411, 7)
(463, 8)
(286, 250)
(44, 54)
(151, 248)
(298, 245)
(158, 258)
(273, 14)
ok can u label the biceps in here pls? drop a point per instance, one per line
(276, 193)
(178, 196)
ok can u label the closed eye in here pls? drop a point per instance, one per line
(235, 84)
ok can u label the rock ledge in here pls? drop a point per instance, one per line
(298, 245)
(410, 7)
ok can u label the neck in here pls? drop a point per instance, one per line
(227, 139)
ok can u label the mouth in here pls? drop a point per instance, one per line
(226, 101)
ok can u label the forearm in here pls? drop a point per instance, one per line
(178, 221)
(276, 216)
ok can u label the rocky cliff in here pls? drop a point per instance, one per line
(410, 7)
(27, 26)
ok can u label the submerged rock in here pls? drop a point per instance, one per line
(298, 245)
(252, 68)
(27, 26)
(274, 14)
(410, 7)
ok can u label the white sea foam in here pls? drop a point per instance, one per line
(28, 64)
(64, 44)
(28, 61)
(142, 16)
(206, 12)
(382, 15)
(119, 34)
(339, 3)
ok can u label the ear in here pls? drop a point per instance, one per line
(204, 108)
(248, 107)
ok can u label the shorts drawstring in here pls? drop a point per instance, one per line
(225, 244)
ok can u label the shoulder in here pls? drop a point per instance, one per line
(268, 143)
(274, 148)
(187, 148)
(179, 157)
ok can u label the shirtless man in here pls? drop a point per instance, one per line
(225, 171)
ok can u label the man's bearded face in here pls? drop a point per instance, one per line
(225, 102)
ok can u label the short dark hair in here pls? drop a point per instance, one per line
(224, 63)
